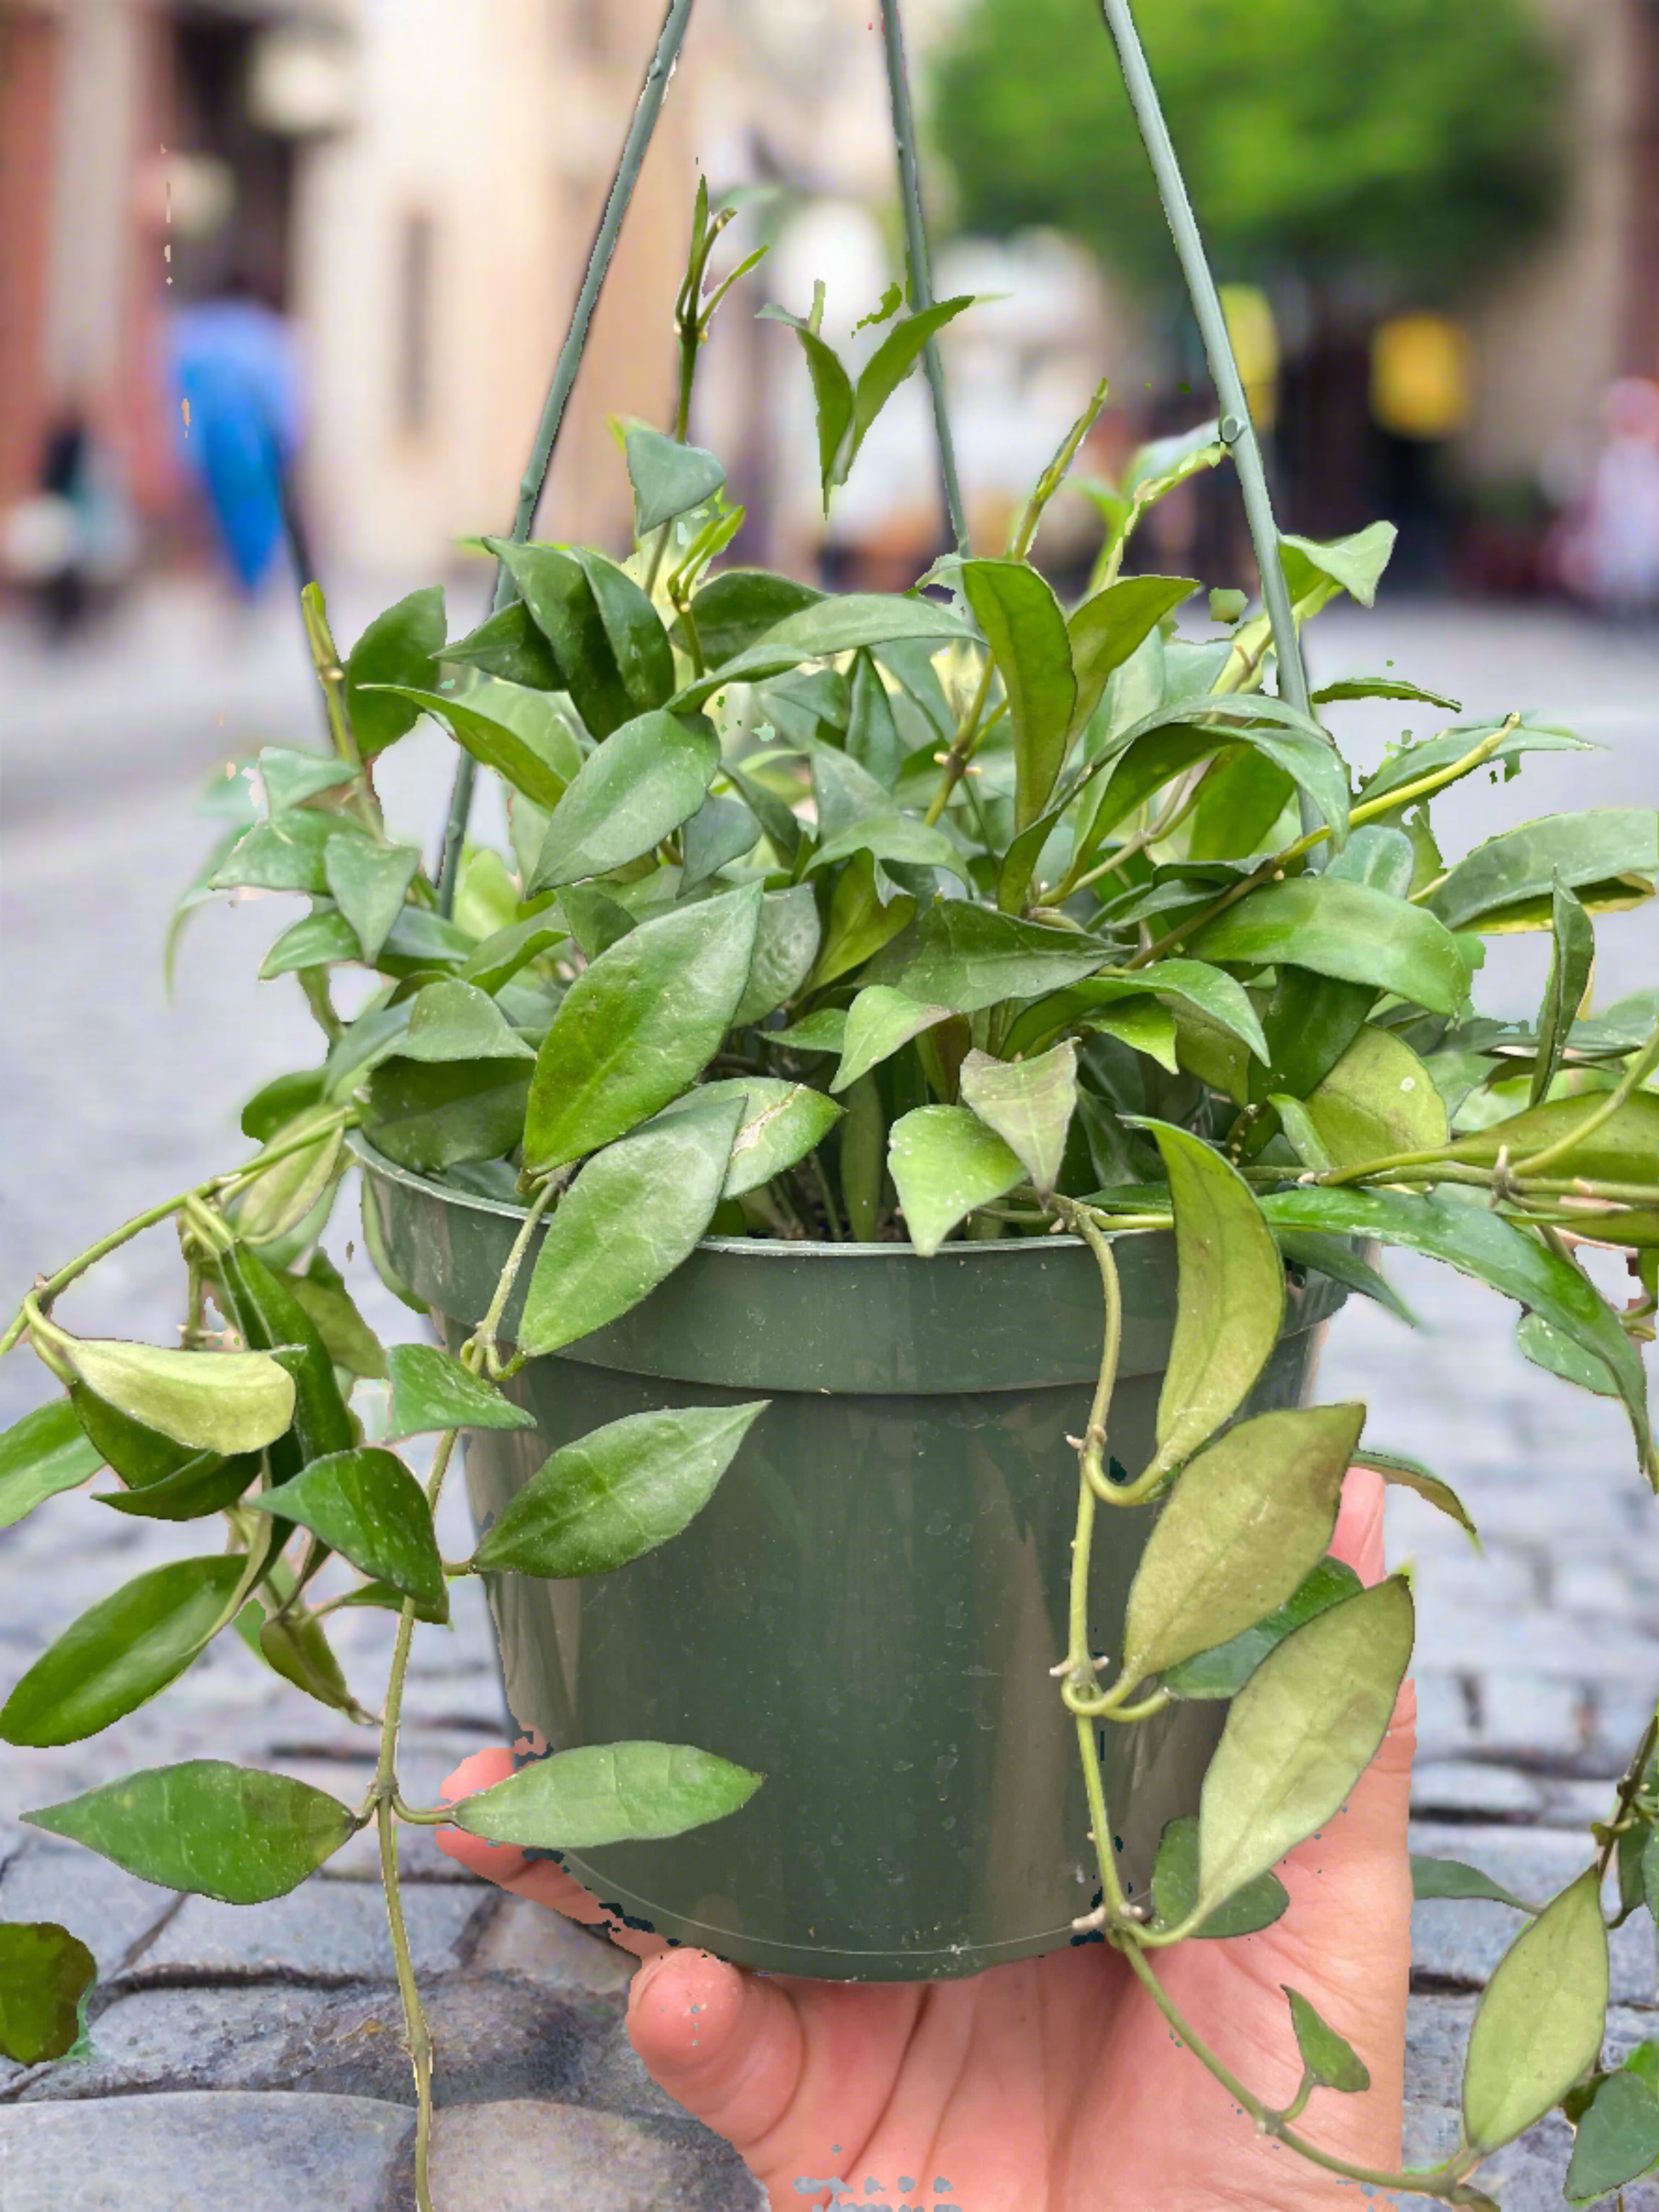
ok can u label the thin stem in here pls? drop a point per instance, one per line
(915, 235)
(1635, 1075)
(564, 376)
(484, 1335)
(1629, 1789)
(1238, 431)
(331, 677)
(956, 761)
(415, 2022)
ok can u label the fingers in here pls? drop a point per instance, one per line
(728, 2045)
(539, 1880)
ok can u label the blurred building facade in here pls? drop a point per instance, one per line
(416, 183)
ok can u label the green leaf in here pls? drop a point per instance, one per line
(892, 837)
(1316, 572)
(428, 1118)
(1342, 929)
(872, 737)
(613, 651)
(141, 1456)
(1241, 797)
(888, 367)
(1412, 1474)
(1413, 762)
(1378, 1100)
(1106, 630)
(1617, 2139)
(1335, 1257)
(370, 883)
(1538, 1341)
(963, 956)
(366, 1505)
(431, 1392)
(608, 1793)
(1175, 1890)
(297, 1648)
(417, 940)
(1221, 997)
(1480, 1243)
(1572, 955)
(617, 1492)
(453, 1020)
(204, 1484)
(124, 1650)
(1451, 1878)
(44, 1453)
(782, 1123)
(832, 389)
(828, 626)
(734, 610)
(274, 1104)
(532, 767)
(285, 854)
(45, 1974)
(503, 956)
(638, 1026)
(1223, 1671)
(1610, 857)
(286, 1192)
(290, 778)
(644, 780)
(720, 831)
(507, 644)
(222, 1401)
(1177, 734)
(634, 1213)
(1029, 1103)
(1231, 1297)
(1540, 2023)
(271, 1319)
(944, 1161)
(787, 940)
(207, 1827)
(1027, 635)
(822, 1032)
(400, 646)
(1327, 2058)
(875, 1026)
(1375, 854)
(1624, 1149)
(860, 923)
(1383, 687)
(668, 478)
(1246, 1523)
(1300, 1734)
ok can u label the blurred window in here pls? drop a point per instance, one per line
(414, 323)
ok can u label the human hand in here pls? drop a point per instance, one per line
(1052, 2084)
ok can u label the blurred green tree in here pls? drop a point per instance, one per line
(1412, 144)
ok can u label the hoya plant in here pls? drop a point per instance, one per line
(957, 914)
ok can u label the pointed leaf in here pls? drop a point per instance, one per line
(861, 921)
(1223, 1671)
(1328, 2058)
(1410, 763)
(618, 1492)
(608, 1793)
(1221, 997)
(297, 1650)
(208, 1827)
(1433, 1877)
(366, 1505)
(44, 1454)
(733, 610)
(201, 1484)
(398, 647)
(221, 1401)
(1572, 958)
(888, 367)
(431, 1392)
(720, 831)
(828, 626)
(832, 391)
(782, 1123)
(1589, 854)
(504, 955)
(286, 1193)
(1412, 1474)
(872, 737)
(1027, 635)
(124, 1650)
(1232, 1297)
(1175, 1890)
(668, 478)
(945, 1163)
(285, 854)
(634, 1213)
(370, 883)
(644, 780)
(1030, 1105)
(1300, 1734)
(428, 1117)
(875, 1026)
(1107, 628)
(892, 837)
(963, 956)
(1624, 1148)
(45, 1974)
(1342, 929)
(290, 778)
(1378, 1100)
(453, 1020)
(638, 1026)
(1353, 564)
(1246, 1523)
(787, 940)
(1540, 2023)
(507, 644)
(1542, 1343)
(1617, 2140)
(492, 744)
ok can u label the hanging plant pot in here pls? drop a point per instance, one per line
(868, 1610)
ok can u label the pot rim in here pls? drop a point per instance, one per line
(738, 1247)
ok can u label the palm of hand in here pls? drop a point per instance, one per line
(1052, 2084)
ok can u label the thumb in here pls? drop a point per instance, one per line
(728, 2045)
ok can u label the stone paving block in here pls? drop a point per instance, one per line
(493, 2038)
(526, 1939)
(1458, 1942)
(1466, 1788)
(323, 1933)
(1445, 1727)
(613, 2076)
(520, 2157)
(111, 1910)
(1535, 1716)
(201, 2153)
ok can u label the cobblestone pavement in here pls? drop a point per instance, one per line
(251, 2056)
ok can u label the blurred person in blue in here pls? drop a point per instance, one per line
(236, 376)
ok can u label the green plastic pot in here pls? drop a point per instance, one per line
(868, 1610)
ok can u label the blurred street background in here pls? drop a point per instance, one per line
(1437, 225)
